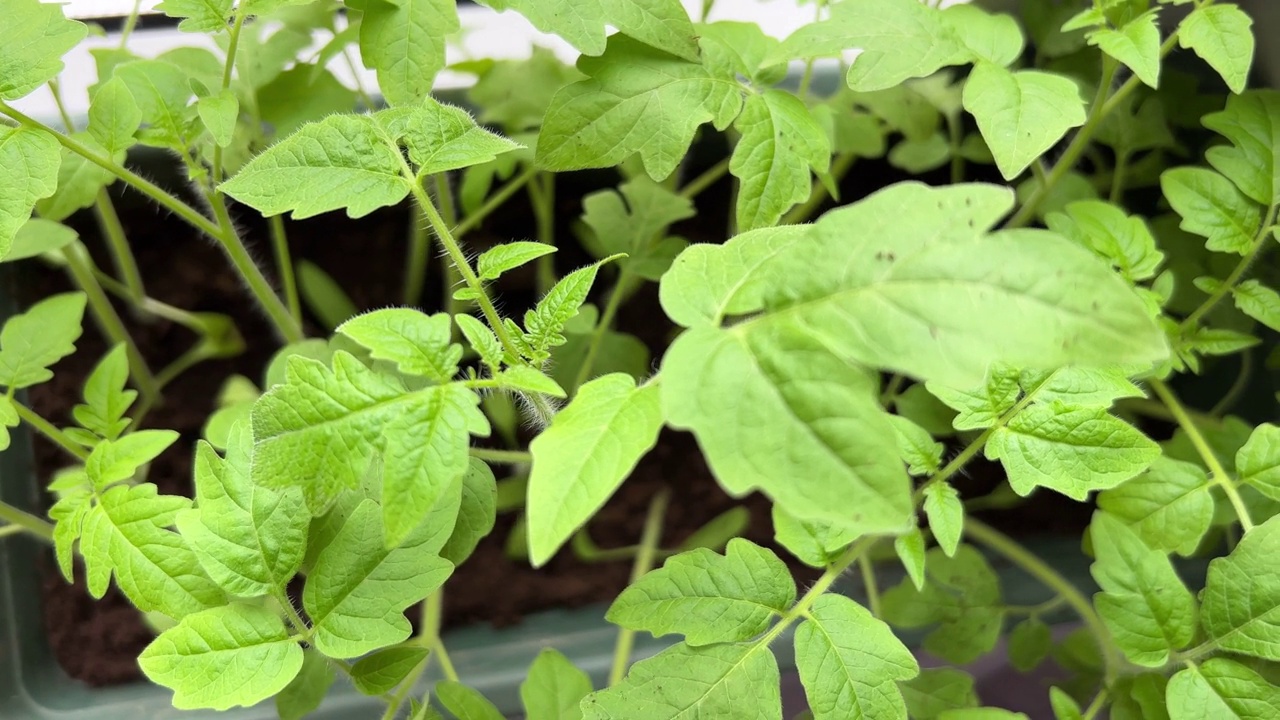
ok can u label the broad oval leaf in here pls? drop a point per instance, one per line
(1221, 689)
(590, 448)
(1169, 506)
(1241, 609)
(1022, 114)
(39, 236)
(33, 39)
(33, 341)
(31, 159)
(554, 688)
(1222, 35)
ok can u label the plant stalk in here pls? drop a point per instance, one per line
(542, 198)
(27, 522)
(444, 196)
(505, 457)
(819, 193)
(649, 540)
(415, 271)
(284, 266)
(1237, 274)
(494, 202)
(50, 431)
(709, 177)
(610, 312)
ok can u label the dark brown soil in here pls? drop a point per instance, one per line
(98, 641)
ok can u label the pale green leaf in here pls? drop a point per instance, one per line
(162, 90)
(358, 590)
(384, 670)
(219, 113)
(899, 39)
(1080, 386)
(69, 512)
(1144, 603)
(198, 16)
(465, 703)
(477, 512)
(113, 461)
(1221, 689)
(962, 597)
(250, 539)
(1022, 114)
(114, 116)
(920, 156)
(780, 142)
(31, 159)
(1258, 462)
(708, 282)
(996, 38)
(302, 94)
(38, 236)
(405, 43)
(509, 256)
(727, 680)
(1073, 450)
(31, 342)
(1137, 45)
(924, 409)
(554, 688)
(774, 410)
(910, 549)
(635, 100)
(1123, 240)
(416, 342)
(481, 339)
(738, 49)
(544, 323)
(105, 396)
(1223, 36)
(812, 543)
(850, 662)
(916, 446)
(340, 162)
(538, 76)
(1241, 609)
(526, 379)
(1258, 302)
(983, 406)
(707, 597)
(303, 696)
(323, 296)
(617, 353)
(125, 534)
(1169, 506)
(442, 137)
(936, 690)
(1252, 123)
(223, 657)
(80, 182)
(1064, 706)
(33, 39)
(945, 511)
(982, 714)
(1029, 644)
(663, 24)
(590, 448)
(634, 220)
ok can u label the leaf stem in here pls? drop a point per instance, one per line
(1227, 286)
(543, 198)
(444, 196)
(706, 179)
(233, 44)
(1005, 546)
(284, 266)
(1232, 396)
(602, 326)
(649, 540)
(869, 584)
(415, 269)
(46, 428)
(291, 613)
(1210, 458)
(505, 457)
(494, 202)
(252, 275)
(1095, 707)
(25, 522)
(956, 141)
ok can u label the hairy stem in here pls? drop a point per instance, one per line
(444, 197)
(709, 177)
(495, 201)
(1001, 544)
(649, 540)
(415, 269)
(869, 584)
(1218, 473)
(505, 457)
(1260, 244)
(610, 312)
(284, 266)
(25, 521)
(46, 428)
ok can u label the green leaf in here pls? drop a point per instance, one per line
(341, 162)
(1064, 706)
(1137, 45)
(1258, 302)
(538, 77)
(383, 671)
(1241, 609)
(780, 141)
(303, 696)
(219, 113)
(916, 446)
(732, 49)
(1252, 123)
(33, 40)
(442, 137)
(31, 342)
(1221, 689)
(113, 461)
(1213, 208)
(481, 339)
(31, 159)
(924, 409)
(105, 396)
(324, 296)
(662, 24)
(920, 156)
(744, 395)
(737, 680)
(982, 714)
(509, 256)
(526, 379)
(554, 688)
(1029, 644)
(962, 596)
(982, 407)
(1144, 603)
(301, 94)
(199, 16)
(114, 116)
(250, 539)
(899, 39)
(79, 183)
(38, 236)
(1169, 506)
(635, 100)
(945, 511)
(634, 220)
(416, 342)
(547, 319)
(1123, 240)
(707, 597)
(995, 38)
(223, 657)
(125, 534)
(477, 513)
(937, 690)
(162, 91)
(1223, 36)
(465, 703)
(358, 590)
(1080, 386)
(708, 282)
(910, 549)
(69, 512)
(849, 662)
(405, 43)
(590, 448)
(1021, 114)
(422, 435)
(8, 419)
(1258, 462)
(1071, 450)
(812, 543)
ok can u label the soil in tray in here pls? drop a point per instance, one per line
(98, 641)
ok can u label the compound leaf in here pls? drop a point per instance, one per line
(1137, 45)
(663, 24)
(1213, 208)
(1252, 123)
(815, 544)
(198, 16)
(114, 460)
(384, 670)
(114, 116)
(442, 137)
(1169, 506)
(961, 596)
(1258, 302)
(1258, 462)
